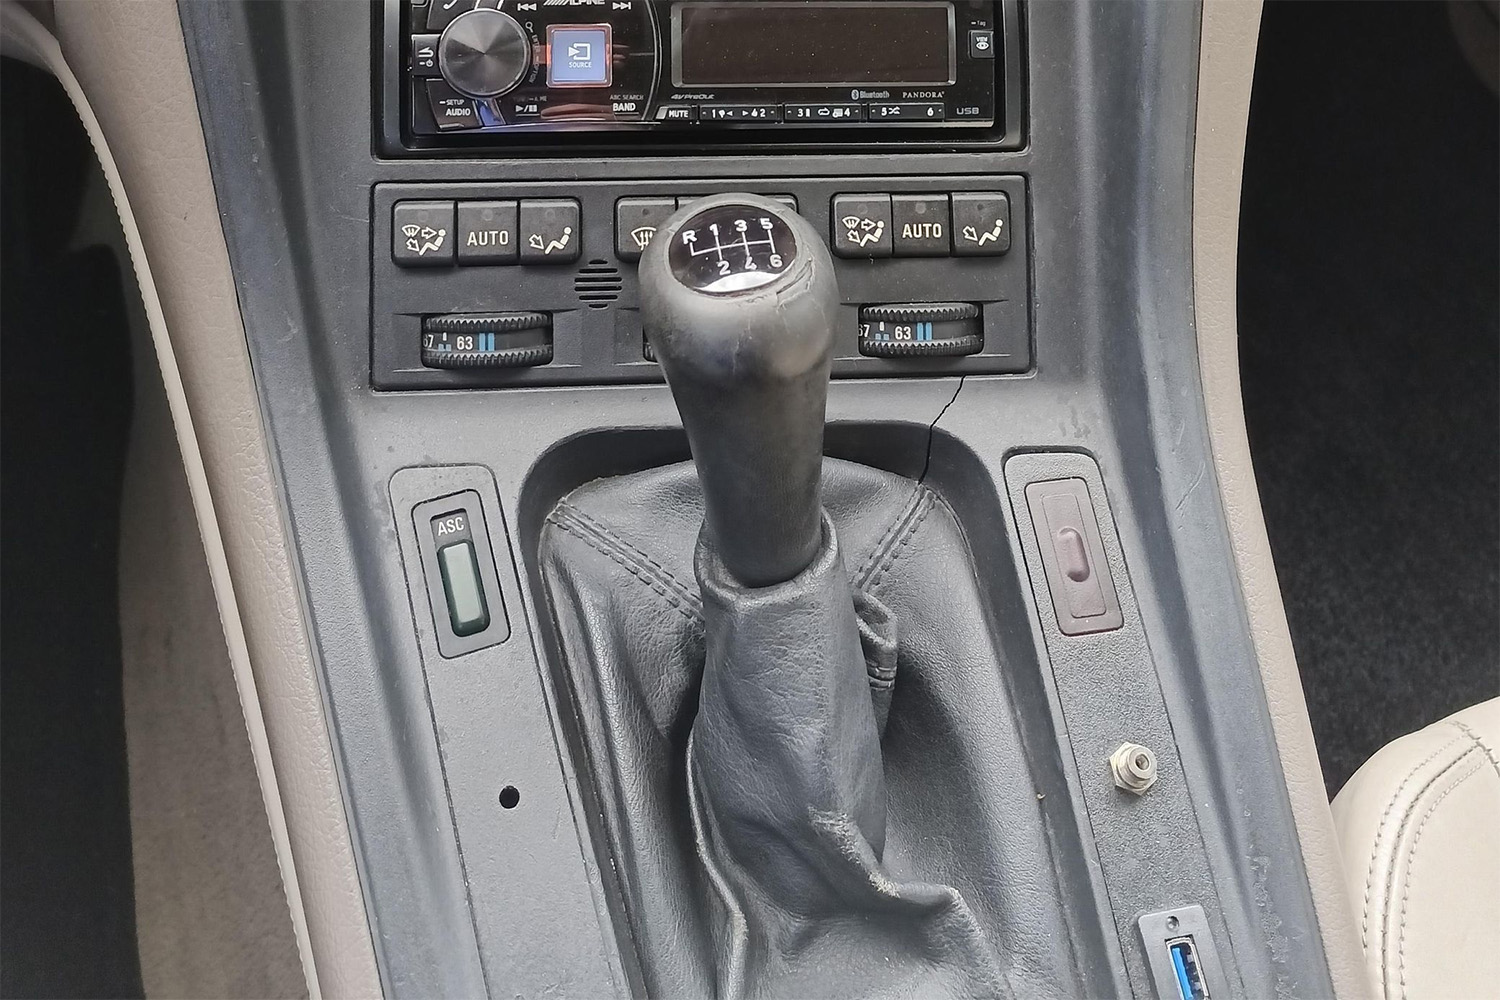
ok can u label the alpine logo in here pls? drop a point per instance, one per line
(573, 3)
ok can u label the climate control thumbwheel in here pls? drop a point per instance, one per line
(487, 340)
(920, 330)
(484, 53)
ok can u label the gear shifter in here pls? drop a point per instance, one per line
(739, 301)
(730, 630)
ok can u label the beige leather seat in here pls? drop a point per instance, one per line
(1419, 828)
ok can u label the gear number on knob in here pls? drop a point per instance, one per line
(731, 248)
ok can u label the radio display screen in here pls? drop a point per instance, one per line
(814, 43)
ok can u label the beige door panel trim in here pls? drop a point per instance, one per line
(1225, 71)
(133, 92)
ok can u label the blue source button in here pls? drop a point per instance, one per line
(579, 55)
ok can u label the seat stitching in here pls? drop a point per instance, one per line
(1364, 923)
(1390, 881)
(1488, 750)
(1411, 859)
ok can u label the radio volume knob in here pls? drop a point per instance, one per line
(484, 53)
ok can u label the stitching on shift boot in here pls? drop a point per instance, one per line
(908, 525)
(864, 569)
(638, 564)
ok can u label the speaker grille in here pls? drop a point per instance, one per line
(598, 284)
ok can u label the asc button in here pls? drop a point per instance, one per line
(467, 611)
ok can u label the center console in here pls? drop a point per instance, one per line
(1063, 773)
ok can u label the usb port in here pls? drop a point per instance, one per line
(1191, 984)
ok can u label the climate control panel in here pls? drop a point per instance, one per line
(489, 284)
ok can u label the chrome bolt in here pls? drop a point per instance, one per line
(1133, 767)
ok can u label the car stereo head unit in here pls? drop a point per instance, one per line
(487, 72)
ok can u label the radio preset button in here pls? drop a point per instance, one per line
(422, 233)
(862, 225)
(825, 114)
(549, 230)
(981, 223)
(450, 109)
(741, 113)
(981, 44)
(636, 222)
(908, 111)
(921, 225)
(677, 113)
(486, 232)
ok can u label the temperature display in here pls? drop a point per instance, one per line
(731, 248)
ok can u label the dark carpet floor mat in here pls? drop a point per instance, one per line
(67, 901)
(1368, 324)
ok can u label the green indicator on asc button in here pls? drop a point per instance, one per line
(467, 610)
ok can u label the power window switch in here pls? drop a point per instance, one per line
(467, 610)
(1078, 577)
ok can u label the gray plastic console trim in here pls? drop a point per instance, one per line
(132, 91)
(1108, 170)
(1226, 69)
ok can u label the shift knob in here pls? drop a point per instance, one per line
(739, 302)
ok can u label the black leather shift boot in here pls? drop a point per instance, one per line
(811, 789)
